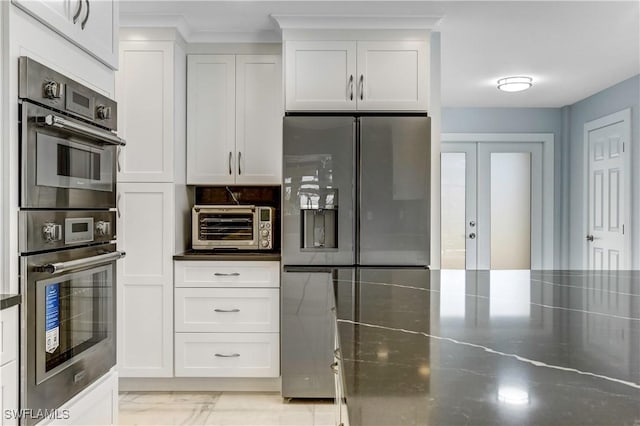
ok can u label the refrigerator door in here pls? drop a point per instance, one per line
(394, 172)
(308, 327)
(318, 191)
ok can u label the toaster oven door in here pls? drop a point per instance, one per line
(232, 229)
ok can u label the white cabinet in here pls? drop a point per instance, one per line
(227, 319)
(9, 365)
(234, 119)
(145, 95)
(356, 75)
(91, 25)
(145, 278)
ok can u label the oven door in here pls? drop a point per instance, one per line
(70, 322)
(66, 163)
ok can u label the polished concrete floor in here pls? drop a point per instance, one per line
(221, 408)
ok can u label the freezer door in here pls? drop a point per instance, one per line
(394, 172)
(318, 191)
(307, 335)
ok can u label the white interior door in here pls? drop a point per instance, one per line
(492, 205)
(608, 199)
(458, 203)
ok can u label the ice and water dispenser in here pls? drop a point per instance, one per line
(319, 220)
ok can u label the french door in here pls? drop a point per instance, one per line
(492, 198)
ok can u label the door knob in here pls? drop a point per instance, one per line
(472, 235)
(590, 238)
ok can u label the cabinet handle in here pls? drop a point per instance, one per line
(231, 274)
(226, 310)
(239, 163)
(118, 159)
(86, 18)
(351, 87)
(118, 205)
(361, 87)
(230, 155)
(235, 355)
(334, 367)
(77, 15)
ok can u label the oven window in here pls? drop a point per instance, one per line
(74, 162)
(226, 226)
(76, 314)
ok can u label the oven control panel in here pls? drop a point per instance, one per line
(52, 229)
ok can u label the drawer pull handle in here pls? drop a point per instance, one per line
(232, 274)
(227, 310)
(227, 356)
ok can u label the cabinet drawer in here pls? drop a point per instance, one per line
(227, 355)
(227, 310)
(8, 335)
(227, 274)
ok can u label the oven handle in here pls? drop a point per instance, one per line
(102, 136)
(54, 268)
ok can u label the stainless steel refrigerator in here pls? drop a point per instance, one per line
(355, 193)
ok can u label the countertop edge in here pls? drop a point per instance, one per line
(260, 257)
(9, 300)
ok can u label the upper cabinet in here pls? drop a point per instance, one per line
(146, 101)
(356, 75)
(234, 119)
(90, 24)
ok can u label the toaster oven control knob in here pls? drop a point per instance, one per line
(265, 243)
(103, 112)
(264, 233)
(102, 228)
(52, 232)
(52, 89)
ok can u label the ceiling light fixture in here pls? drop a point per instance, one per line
(515, 84)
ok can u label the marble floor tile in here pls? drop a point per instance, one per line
(221, 408)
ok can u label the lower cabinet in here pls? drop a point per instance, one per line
(9, 366)
(227, 319)
(96, 405)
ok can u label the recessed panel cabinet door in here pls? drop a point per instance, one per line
(144, 91)
(258, 119)
(145, 280)
(320, 75)
(211, 114)
(392, 75)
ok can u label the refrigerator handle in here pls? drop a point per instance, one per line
(356, 194)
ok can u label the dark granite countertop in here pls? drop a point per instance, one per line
(490, 348)
(227, 256)
(9, 300)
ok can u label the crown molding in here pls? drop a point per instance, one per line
(356, 22)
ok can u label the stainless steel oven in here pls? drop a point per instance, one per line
(69, 333)
(68, 145)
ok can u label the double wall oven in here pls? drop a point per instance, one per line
(68, 156)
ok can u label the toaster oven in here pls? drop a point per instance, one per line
(232, 227)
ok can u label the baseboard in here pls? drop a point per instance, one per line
(200, 384)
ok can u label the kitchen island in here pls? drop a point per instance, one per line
(422, 347)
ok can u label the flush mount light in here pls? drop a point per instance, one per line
(515, 84)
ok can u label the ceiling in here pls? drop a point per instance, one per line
(572, 49)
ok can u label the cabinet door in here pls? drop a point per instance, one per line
(144, 91)
(211, 108)
(145, 279)
(320, 75)
(258, 119)
(99, 35)
(392, 75)
(9, 393)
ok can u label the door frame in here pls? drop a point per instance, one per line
(548, 182)
(608, 120)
